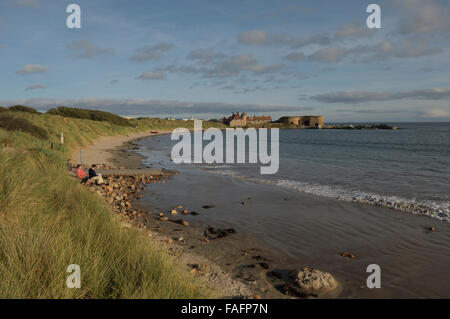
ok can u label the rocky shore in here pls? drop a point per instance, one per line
(233, 264)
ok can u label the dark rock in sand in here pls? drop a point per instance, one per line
(194, 213)
(264, 265)
(208, 206)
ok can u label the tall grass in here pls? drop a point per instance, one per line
(49, 221)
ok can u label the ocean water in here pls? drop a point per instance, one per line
(406, 169)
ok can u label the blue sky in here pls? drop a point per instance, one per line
(209, 58)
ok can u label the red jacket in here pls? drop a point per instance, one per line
(80, 173)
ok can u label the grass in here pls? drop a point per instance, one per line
(12, 123)
(49, 221)
(93, 115)
(22, 108)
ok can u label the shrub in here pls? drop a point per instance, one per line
(22, 108)
(11, 123)
(3, 109)
(93, 115)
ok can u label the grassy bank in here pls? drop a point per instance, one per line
(49, 221)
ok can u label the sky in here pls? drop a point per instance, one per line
(208, 58)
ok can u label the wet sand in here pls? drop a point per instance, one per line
(292, 230)
(278, 230)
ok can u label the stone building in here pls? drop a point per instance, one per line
(309, 121)
(236, 120)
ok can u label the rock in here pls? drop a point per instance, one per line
(163, 219)
(184, 223)
(180, 239)
(348, 255)
(194, 213)
(173, 212)
(264, 265)
(202, 268)
(185, 212)
(208, 206)
(179, 207)
(244, 203)
(313, 282)
(170, 241)
(205, 240)
(431, 228)
(257, 297)
(161, 215)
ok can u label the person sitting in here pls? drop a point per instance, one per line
(94, 177)
(80, 174)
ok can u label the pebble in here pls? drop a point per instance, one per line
(348, 255)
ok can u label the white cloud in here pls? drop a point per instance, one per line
(423, 17)
(35, 86)
(205, 55)
(365, 96)
(85, 49)
(149, 75)
(329, 54)
(437, 113)
(32, 68)
(354, 30)
(260, 37)
(154, 52)
(253, 37)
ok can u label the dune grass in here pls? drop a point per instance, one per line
(49, 221)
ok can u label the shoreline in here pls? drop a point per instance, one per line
(118, 153)
(250, 255)
(106, 150)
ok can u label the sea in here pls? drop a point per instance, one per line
(407, 169)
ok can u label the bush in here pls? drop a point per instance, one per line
(93, 115)
(22, 108)
(3, 109)
(11, 123)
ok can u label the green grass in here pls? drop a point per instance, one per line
(49, 221)
(12, 123)
(93, 115)
(22, 108)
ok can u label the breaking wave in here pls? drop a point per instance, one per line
(434, 209)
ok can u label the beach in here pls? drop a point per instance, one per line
(277, 230)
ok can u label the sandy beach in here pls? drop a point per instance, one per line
(276, 231)
(104, 150)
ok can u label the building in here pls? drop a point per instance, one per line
(236, 120)
(309, 121)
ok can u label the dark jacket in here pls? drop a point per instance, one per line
(92, 173)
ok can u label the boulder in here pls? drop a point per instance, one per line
(311, 281)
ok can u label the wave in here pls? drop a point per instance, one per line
(434, 209)
(438, 210)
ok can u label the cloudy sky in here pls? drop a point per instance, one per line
(206, 58)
